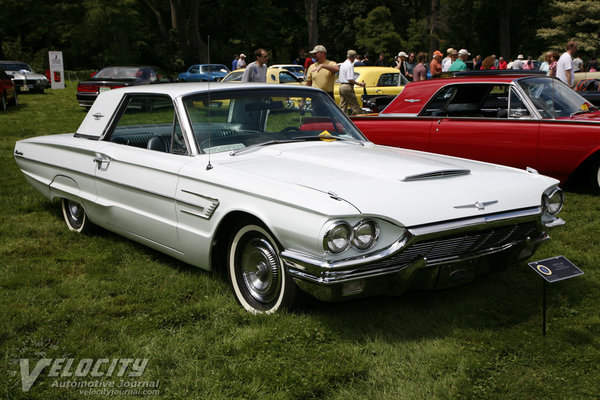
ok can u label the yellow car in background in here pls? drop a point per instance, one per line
(381, 81)
(274, 75)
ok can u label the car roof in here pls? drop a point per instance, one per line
(107, 101)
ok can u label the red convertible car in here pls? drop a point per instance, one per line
(512, 118)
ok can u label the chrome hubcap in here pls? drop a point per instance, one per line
(260, 270)
(76, 212)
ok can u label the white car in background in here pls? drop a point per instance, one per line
(274, 184)
(24, 77)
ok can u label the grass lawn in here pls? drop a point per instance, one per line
(65, 295)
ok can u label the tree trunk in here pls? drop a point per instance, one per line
(434, 20)
(504, 28)
(197, 45)
(312, 14)
(164, 32)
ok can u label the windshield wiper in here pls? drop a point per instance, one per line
(293, 140)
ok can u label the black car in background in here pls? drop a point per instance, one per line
(115, 77)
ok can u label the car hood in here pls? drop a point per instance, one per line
(396, 183)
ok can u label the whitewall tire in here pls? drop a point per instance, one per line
(75, 216)
(257, 275)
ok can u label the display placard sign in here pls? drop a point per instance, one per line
(555, 269)
(57, 73)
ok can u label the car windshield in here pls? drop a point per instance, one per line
(552, 98)
(15, 67)
(234, 120)
(143, 73)
(294, 68)
(205, 69)
(234, 77)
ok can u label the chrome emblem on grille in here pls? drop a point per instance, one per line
(480, 205)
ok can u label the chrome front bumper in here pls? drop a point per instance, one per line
(427, 257)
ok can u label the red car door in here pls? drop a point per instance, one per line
(487, 123)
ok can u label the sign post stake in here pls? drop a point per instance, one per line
(544, 308)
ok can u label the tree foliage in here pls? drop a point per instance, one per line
(578, 20)
(175, 33)
(376, 32)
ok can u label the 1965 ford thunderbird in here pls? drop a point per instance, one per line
(276, 185)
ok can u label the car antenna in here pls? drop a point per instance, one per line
(209, 165)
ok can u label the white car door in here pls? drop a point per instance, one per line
(137, 171)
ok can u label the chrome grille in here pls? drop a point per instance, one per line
(460, 245)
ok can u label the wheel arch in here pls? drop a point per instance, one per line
(584, 169)
(225, 230)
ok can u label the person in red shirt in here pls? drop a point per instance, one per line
(502, 64)
(420, 71)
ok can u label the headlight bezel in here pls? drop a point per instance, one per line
(327, 238)
(351, 236)
(553, 201)
(374, 236)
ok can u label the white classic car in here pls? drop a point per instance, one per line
(276, 185)
(24, 77)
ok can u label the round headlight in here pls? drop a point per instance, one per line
(553, 202)
(365, 234)
(337, 238)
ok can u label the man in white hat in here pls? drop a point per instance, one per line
(518, 63)
(460, 63)
(402, 66)
(347, 82)
(241, 61)
(321, 74)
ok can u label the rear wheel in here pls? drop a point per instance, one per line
(75, 216)
(258, 277)
(15, 100)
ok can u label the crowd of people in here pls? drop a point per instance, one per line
(321, 72)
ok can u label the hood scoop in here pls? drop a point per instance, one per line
(445, 173)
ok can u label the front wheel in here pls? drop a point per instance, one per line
(75, 216)
(258, 277)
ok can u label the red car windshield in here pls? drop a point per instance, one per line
(552, 98)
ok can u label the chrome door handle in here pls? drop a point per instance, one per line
(99, 161)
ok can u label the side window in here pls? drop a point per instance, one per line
(516, 107)
(149, 122)
(440, 101)
(461, 100)
(194, 70)
(496, 103)
(286, 77)
(388, 80)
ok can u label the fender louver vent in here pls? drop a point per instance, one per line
(445, 173)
